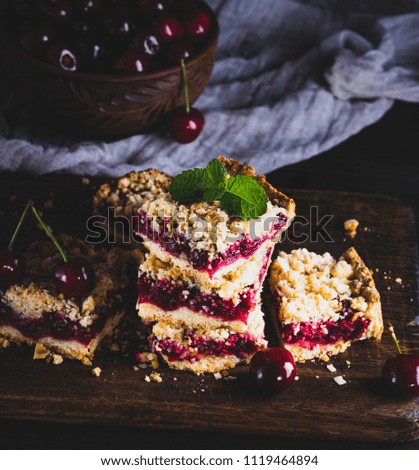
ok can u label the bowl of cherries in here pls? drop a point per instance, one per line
(107, 68)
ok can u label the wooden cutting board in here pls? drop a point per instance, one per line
(314, 406)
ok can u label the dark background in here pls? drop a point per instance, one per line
(383, 158)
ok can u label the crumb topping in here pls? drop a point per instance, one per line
(351, 226)
(37, 294)
(96, 371)
(311, 286)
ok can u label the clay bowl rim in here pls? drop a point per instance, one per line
(101, 77)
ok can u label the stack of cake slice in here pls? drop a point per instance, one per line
(200, 284)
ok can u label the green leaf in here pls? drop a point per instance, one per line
(244, 197)
(217, 172)
(189, 186)
(215, 193)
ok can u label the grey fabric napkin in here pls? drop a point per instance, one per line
(292, 79)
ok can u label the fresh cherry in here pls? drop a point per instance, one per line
(146, 41)
(273, 369)
(11, 268)
(177, 51)
(37, 38)
(93, 53)
(57, 10)
(120, 25)
(401, 373)
(169, 29)
(152, 6)
(133, 61)
(185, 124)
(75, 278)
(64, 57)
(197, 24)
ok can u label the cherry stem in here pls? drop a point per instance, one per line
(18, 226)
(393, 335)
(49, 233)
(185, 84)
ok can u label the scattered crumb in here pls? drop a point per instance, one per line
(57, 359)
(297, 377)
(217, 376)
(351, 226)
(224, 373)
(4, 343)
(48, 204)
(317, 377)
(174, 379)
(156, 377)
(202, 389)
(230, 377)
(147, 378)
(142, 366)
(96, 371)
(331, 367)
(114, 347)
(86, 361)
(41, 352)
(398, 280)
(147, 359)
(136, 368)
(348, 363)
(388, 288)
(324, 358)
(85, 180)
(339, 380)
(377, 270)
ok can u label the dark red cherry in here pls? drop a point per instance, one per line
(24, 7)
(75, 278)
(89, 6)
(185, 127)
(177, 51)
(64, 57)
(57, 10)
(93, 53)
(37, 38)
(133, 61)
(273, 369)
(152, 6)
(146, 41)
(169, 29)
(401, 373)
(11, 268)
(197, 24)
(187, 5)
(119, 25)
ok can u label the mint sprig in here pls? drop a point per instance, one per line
(240, 195)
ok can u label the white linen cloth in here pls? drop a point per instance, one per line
(292, 79)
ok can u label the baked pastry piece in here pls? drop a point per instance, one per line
(204, 270)
(322, 305)
(34, 312)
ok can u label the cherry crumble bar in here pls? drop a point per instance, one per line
(322, 305)
(33, 312)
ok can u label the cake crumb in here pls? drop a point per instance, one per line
(86, 361)
(114, 347)
(348, 363)
(217, 376)
(146, 359)
(317, 376)
(57, 359)
(41, 352)
(297, 377)
(224, 373)
(96, 371)
(339, 380)
(174, 379)
(136, 368)
(331, 368)
(156, 377)
(85, 181)
(351, 226)
(147, 378)
(398, 280)
(4, 343)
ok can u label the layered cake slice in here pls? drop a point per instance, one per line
(322, 305)
(34, 312)
(201, 350)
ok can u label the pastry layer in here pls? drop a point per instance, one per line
(207, 364)
(320, 303)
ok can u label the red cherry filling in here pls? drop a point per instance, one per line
(273, 369)
(11, 268)
(185, 127)
(134, 61)
(75, 278)
(169, 29)
(146, 41)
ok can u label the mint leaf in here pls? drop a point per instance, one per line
(215, 193)
(244, 197)
(217, 172)
(189, 186)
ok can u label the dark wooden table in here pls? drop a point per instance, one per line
(381, 159)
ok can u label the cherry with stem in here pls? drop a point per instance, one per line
(185, 124)
(74, 277)
(401, 372)
(12, 266)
